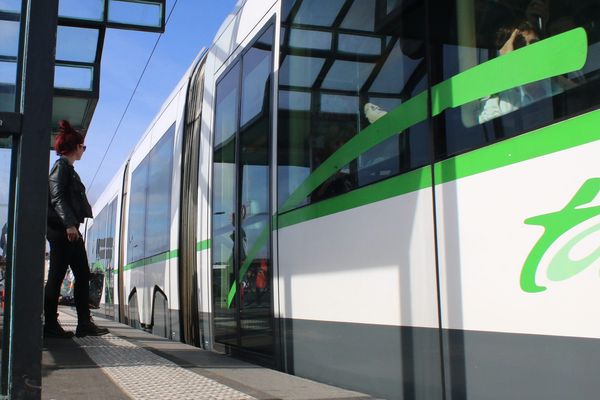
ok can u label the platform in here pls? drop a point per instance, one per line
(132, 364)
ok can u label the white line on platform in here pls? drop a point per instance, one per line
(145, 375)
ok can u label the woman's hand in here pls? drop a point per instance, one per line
(72, 234)
(510, 43)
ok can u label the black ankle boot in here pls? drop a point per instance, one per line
(89, 328)
(52, 329)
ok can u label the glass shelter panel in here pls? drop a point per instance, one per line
(76, 44)
(135, 12)
(13, 6)
(82, 9)
(9, 31)
(8, 74)
(69, 108)
(9, 50)
(79, 78)
(329, 96)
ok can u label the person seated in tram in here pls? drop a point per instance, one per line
(508, 39)
(535, 24)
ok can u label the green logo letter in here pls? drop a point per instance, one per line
(556, 224)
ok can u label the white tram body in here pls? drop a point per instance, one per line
(325, 193)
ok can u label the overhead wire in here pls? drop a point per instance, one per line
(131, 98)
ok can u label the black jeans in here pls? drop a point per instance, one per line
(62, 255)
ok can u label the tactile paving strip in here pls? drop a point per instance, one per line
(144, 375)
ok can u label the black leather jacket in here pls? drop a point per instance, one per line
(67, 203)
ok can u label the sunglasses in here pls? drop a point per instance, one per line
(84, 147)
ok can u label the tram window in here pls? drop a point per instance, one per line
(318, 12)
(96, 237)
(306, 39)
(90, 241)
(255, 82)
(227, 112)
(332, 93)
(297, 101)
(469, 33)
(150, 202)
(224, 178)
(158, 211)
(361, 16)
(100, 247)
(109, 254)
(299, 71)
(356, 44)
(347, 75)
(137, 211)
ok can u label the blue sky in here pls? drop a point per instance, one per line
(192, 26)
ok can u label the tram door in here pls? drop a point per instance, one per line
(241, 208)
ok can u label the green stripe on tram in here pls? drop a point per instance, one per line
(137, 264)
(165, 256)
(203, 245)
(550, 139)
(386, 189)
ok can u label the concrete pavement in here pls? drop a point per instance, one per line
(132, 364)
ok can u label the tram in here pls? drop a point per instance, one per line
(398, 197)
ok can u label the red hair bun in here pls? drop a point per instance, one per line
(67, 140)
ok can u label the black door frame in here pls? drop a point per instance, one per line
(238, 350)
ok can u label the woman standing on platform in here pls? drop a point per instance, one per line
(67, 208)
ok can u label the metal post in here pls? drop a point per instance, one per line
(30, 202)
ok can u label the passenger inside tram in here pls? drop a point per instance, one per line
(539, 22)
(508, 39)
